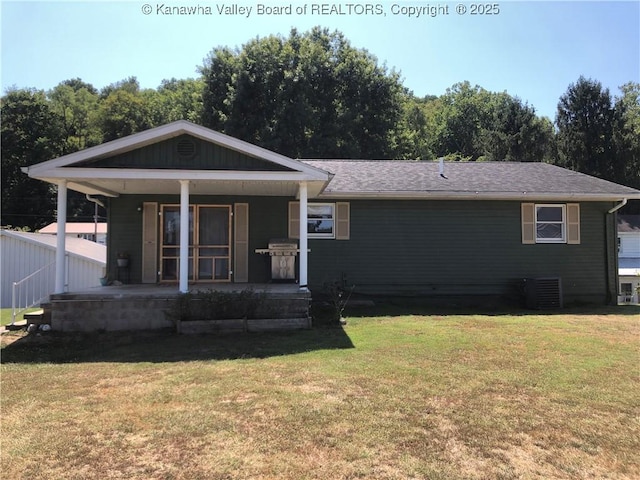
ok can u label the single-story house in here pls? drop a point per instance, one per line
(629, 258)
(188, 205)
(94, 231)
(33, 255)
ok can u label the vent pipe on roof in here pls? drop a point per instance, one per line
(95, 215)
(442, 168)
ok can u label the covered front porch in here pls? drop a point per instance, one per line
(185, 205)
(259, 307)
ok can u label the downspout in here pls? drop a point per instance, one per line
(95, 200)
(610, 300)
(95, 215)
(619, 206)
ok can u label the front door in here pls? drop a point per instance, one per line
(209, 243)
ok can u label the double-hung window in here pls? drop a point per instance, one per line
(550, 223)
(320, 220)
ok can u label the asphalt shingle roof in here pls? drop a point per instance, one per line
(398, 177)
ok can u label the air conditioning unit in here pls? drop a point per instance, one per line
(543, 293)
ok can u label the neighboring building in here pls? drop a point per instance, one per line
(95, 232)
(23, 253)
(629, 258)
(192, 205)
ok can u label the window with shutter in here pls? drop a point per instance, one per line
(550, 223)
(324, 220)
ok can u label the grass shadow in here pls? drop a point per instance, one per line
(163, 346)
(386, 306)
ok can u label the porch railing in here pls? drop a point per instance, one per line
(32, 290)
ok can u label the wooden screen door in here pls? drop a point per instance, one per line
(209, 243)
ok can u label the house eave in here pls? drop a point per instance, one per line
(112, 182)
(501, 196)
(71, 173)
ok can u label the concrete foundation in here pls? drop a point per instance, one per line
(133, 307)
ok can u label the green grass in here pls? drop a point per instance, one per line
(394, 397)
(5, 315)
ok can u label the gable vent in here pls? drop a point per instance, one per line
(543, 293)
(186, 148)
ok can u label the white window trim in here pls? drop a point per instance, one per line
(563, 206)
(331, 235)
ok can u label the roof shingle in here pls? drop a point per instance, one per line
(399, 178)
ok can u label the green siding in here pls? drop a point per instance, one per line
(208, 156)
(267, 219)
(456, 248)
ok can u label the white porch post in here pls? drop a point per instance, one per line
(184, 236)
(61, 236)
(303, 236)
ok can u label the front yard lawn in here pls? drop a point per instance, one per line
(5, 315)
(438, 397)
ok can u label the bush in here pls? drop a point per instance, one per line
(216, 305)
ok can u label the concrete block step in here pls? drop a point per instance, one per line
(38, 317)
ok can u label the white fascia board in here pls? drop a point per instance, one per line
(507, 196)
(71, 173)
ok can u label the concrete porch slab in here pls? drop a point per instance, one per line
(171, 290)
(145, 307)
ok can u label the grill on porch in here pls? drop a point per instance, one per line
(283, 252)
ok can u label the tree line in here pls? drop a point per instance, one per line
(314, 95)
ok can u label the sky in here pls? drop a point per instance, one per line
(533, 50)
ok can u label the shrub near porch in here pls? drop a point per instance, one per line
(245, 310)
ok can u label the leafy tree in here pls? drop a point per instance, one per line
(514, 133)
(417, 128)
(78, 84)
(585, 120)
(129, 84)
(178, 100)
(471, 123)
(124, 109)
(76, 102)
(31, 132)
(626, 135)
(218, 74)
(308, 95)
(464, 110)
